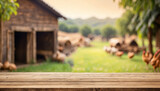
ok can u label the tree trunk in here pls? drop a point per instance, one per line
(143, 42)
(158, 39)
(150, 40)
(0, 40)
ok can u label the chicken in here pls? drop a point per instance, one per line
(59, 57)
(60, 49)
(1, 65)
(113, 50)
(6, 65)
(130, 55)
(155, 62)
(107, 49)
(119, 53)
(146, 57)
(12, 67)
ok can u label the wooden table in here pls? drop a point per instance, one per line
(81, 81)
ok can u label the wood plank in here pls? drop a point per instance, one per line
(45, 28)
(12, 46)
(21, 28)
(55, 41)
(34, 46)
(29, 49)
(44, 52)
(81, 89)
(79, 80)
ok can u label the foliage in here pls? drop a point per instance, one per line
(63, 27)
(96, 31)
(66, 28)
(7, 8)
(92, 21)
(108, 32)
(145, 11)
(123, 24)
(86, 30)
(73, 29)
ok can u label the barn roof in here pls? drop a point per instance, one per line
(49, 8)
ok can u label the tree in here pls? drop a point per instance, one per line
(96, 31)
(108, 32)
(123, 24)
(146, 12)
(85, 30)
(63, 27)
(7, 8)
(74, 29)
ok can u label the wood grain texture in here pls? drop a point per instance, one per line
(79, 80)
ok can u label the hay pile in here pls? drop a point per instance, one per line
(69, 42)
(127, 44)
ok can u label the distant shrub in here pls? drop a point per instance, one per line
(85, 30)
(73, 29)
(96, 31)
(63, 27)
(108, 32)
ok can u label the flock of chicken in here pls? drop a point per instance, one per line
(154, 60)
(115, 51)
(147, 57)
(8, 66)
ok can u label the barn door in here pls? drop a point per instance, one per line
(31, 47)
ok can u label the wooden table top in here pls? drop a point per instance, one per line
(78, 80)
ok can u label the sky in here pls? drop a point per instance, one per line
(87, 8)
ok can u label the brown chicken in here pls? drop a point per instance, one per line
(59, 57)
(130, 55)
(12, 67)
(146, 57)
(6, 65)
(119, 53)
(155, 62)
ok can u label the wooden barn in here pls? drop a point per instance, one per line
(33, 29)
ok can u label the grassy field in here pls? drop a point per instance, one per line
(93, 59)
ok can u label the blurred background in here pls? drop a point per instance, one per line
(100, 36)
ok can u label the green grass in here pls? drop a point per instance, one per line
(93, 59)
(47, 67)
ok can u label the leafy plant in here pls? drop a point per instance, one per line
(145, 11)
(123, 23)
(63, 27)
(7, 8)
(74, 29)
(85, 30)
(96, 31)
(108, 32)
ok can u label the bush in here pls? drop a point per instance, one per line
(96, 31)
(74, 29)
(86, 30)
(108, 32)
(63, 27)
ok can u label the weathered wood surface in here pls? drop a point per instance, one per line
(79, 80)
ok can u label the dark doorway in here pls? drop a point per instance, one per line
(20, 47)
(45, 45)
